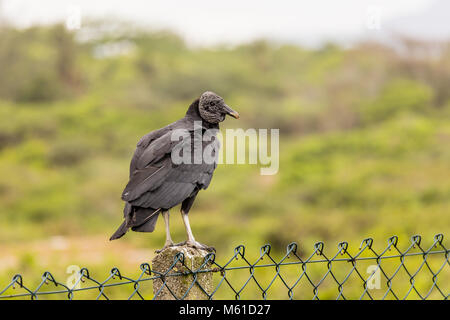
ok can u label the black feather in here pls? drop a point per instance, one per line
(156, 183)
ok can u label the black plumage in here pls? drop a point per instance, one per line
(156, 183)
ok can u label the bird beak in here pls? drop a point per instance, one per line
(231, 112)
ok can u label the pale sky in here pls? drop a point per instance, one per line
(209, 22)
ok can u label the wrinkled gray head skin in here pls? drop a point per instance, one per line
(213, 109)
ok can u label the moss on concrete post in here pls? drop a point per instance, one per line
(179, 285)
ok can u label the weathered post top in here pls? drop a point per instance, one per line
(188, 287)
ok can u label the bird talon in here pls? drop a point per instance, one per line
(166, 245)
(200, 246)
(190, 244)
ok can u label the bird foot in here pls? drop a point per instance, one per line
(195, 245)
(168, 244)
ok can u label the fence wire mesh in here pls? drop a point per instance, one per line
(416, 272)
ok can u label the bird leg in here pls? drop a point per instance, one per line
(191, 240)
(169, 242)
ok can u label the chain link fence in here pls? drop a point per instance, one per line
(415, 272)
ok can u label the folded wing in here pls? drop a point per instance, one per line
(156, 182)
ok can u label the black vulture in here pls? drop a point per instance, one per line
(157, 184)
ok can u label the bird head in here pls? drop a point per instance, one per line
(213, 109)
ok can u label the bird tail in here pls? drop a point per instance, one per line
(148, 225)
(140, 220)
(120, 232)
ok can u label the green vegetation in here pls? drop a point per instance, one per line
(365, 143)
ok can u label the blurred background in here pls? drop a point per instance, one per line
(358, 89)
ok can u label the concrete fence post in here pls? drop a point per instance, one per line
(180, 284)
